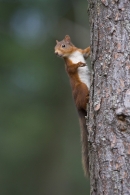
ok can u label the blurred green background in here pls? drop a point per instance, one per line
(40, 149)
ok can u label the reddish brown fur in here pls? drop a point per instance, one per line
(65, 52)
(86, 52)
(81, 97)
(79, 90)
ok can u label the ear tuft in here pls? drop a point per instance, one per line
(67, 38)
(57, 41)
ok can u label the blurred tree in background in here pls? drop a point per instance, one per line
(39, 136)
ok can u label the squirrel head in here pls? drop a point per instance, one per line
(65, 47)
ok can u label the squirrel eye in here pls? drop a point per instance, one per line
(63, 45)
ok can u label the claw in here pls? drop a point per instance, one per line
(82, 64)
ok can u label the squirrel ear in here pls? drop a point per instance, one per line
(67, 38)
(57, 41)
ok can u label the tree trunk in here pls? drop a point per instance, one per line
(109, 109)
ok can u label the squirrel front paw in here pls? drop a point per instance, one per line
(81, 64)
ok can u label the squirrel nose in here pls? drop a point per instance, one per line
(56, 52)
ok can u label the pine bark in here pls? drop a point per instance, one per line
(109, 108)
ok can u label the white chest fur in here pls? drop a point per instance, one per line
(83, 72)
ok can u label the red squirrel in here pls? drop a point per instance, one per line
(79, 76)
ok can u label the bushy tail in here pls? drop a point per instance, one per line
(84, 139)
